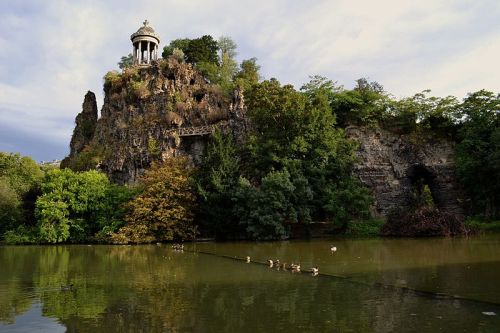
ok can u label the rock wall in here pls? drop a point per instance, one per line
(391, 164)
(85, 125)
(146, 113)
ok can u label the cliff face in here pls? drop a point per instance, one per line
(152, 113)
(396, 166)
(85, 125)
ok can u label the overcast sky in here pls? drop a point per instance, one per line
(52, 52)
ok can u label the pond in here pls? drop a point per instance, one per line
(371, 285)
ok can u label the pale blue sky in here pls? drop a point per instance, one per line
(52, 52)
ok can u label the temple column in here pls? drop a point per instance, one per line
(148, 60)
(140, 53)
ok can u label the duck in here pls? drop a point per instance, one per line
(67, 287)
(277, 263)
(295, 267)
(284, 266)
(178, 247)
(315, 271)
(247, 259)
(333, 248)
(270, 262)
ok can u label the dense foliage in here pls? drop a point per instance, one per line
(478, 152)
(20, 179)
(216, 60)
(73, 207)
(294, 167)
(196, 51)
(163, 211)
(126, 61)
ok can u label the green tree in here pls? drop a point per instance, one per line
(180, 44)
(363, 105)
(296, 131)
(70, 205)
(216, 183)
(10, 207)
(228, 66)
(421, 112)
(265, 209)
(126, 61)
(21, 172)
(20, 178)
(111, 216)
(248, 74)
(196, 51)
(164, 210)
(347, 200)
(478, 153)
(203, 49)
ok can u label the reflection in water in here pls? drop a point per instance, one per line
(33, 321)
(154, 289)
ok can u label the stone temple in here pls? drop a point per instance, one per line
(145, 45)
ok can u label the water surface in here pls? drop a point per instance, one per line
(376, 285)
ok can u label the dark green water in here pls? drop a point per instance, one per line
(380, 285)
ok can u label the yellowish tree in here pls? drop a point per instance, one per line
(164, 210)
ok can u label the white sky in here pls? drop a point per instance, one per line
(52, 52)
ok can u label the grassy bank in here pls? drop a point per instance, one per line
(483, 225)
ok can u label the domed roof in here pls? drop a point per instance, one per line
(145, 30)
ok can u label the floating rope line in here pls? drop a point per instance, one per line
(377, 285)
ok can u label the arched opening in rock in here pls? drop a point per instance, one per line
(424, 191)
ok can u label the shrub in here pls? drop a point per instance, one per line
(21, 235)
(368, 228)
(112, 79)
(264, 210)
(482, 225)
(139, 89)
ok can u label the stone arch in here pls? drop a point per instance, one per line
(420, 176)
(391, 164)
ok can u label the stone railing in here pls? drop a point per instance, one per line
(195, 131)
(199, 130)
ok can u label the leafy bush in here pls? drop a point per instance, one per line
(87, 159)
(139, 89)
(20, 178)
(10, 207)
(367, 228)
(112, 79)
(483, 225)
(21, 235)
(76, 206)
(264, 210)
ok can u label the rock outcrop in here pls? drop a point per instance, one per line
(394, 166)
(85, 125)
(155, 112)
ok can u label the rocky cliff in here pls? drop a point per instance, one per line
(149, 114)
(85, 125)
(396, 166)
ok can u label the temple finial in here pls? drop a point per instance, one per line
(146, 22)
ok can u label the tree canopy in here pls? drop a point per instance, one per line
(164, 209)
